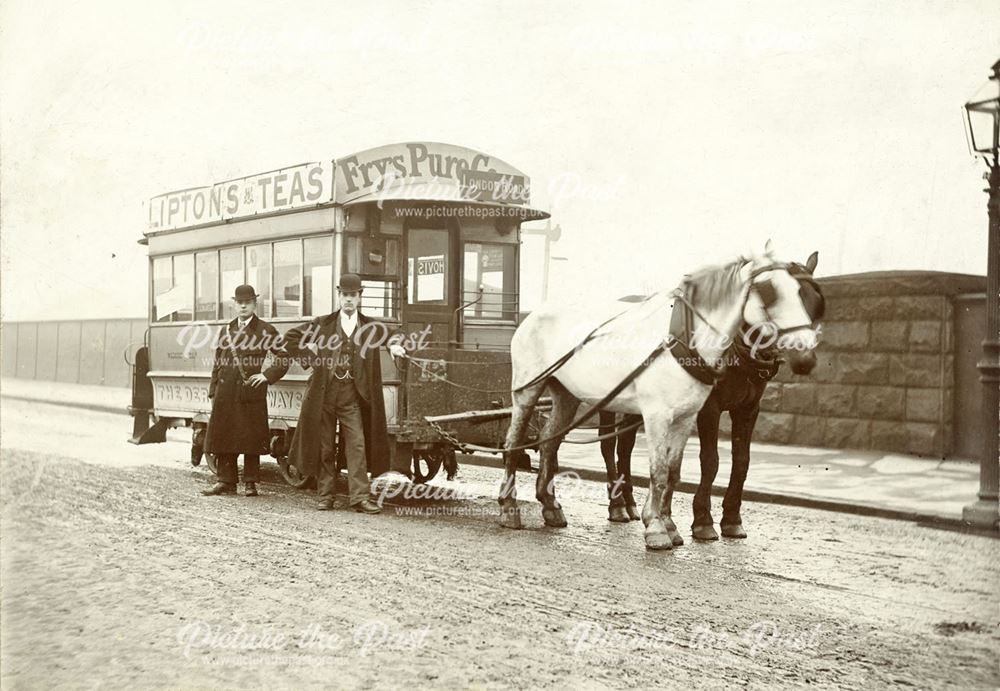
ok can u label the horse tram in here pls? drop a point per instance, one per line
(434, 230)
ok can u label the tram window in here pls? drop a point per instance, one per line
(184, 285)
(162, 284)
(352, 254)
(371, 255)
(490, 268)
(231, 262)
(287, 278)
(392, 256)
(206, 286)
(427, 267)
(259, 276)
(380, 299)
(317, 277)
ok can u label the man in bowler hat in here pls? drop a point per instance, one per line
(345, 386)
(238, 424)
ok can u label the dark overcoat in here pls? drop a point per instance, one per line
(238, 424)
(305, 451)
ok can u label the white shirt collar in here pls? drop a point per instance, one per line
(348, 322)
(242, 323)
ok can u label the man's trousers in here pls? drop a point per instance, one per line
(226, 463)
(342, 404)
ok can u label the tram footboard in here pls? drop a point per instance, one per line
(141, 408)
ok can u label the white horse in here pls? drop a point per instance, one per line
(758, 291)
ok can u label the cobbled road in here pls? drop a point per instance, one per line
(116, 573)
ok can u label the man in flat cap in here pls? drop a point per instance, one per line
(345, 386)
(238, 424)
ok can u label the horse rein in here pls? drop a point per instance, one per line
(679, 294)
(662, 347)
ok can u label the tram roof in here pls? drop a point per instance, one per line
(429, 172)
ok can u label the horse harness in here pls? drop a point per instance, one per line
(764, 369)
(681, 323)
(681, 335)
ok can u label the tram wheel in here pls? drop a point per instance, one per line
(451, 463)
(426, 465)
(197, 446)
(292, 475)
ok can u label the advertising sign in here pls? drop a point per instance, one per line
(427, 170)
(304, 185)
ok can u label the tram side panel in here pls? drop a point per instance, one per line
(180, 366)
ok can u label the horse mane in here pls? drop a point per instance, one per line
(714, 285)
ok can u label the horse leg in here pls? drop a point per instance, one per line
(616, 502)
(564, 406)
(744, 420)
(523, 404)
(626, 443)
(702, 527)
(666, 439)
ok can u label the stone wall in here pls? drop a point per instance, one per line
(885, 376)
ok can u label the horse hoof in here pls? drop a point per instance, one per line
(733, 530)
(677, 540)
(554, 518)
(659, 541)
(616, 514)
(633, 512)
(510, 518)
(704, 532)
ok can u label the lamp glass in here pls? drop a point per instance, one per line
(982, 127)
(983, 112)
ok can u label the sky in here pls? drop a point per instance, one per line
(662, 136)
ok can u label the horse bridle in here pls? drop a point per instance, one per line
(768, 294)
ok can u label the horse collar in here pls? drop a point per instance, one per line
(681, 332)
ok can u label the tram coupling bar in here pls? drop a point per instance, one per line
(476, 416)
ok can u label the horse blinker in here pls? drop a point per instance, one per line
(767, 292)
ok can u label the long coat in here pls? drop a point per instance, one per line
(238, 424)
(305, 451)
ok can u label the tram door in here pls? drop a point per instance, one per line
(431, 293)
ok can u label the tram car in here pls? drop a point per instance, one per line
(434, 230)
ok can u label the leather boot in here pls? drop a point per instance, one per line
(219, 488)
(366, 506)
(250, 489)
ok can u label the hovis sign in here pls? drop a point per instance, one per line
(430, 265)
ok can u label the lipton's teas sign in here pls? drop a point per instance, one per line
(304, 185)
(413, 170)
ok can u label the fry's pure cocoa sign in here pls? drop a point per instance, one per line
(427, 170)
(412, 170)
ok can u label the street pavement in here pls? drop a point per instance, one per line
(118, 574)
(870, 483)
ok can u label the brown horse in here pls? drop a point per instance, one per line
(739, 392)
